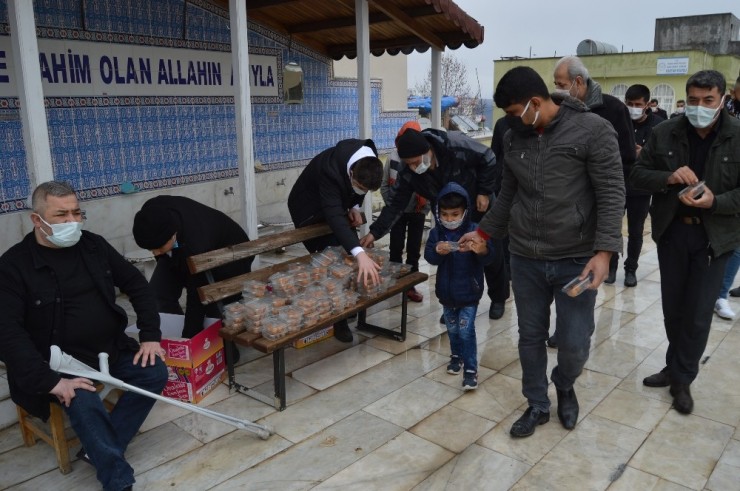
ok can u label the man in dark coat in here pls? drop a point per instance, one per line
(58, 287)
(175, 228)
(331, 189)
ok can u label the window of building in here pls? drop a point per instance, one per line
(619, 90)
(666, 97)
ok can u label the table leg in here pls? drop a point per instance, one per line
(278, 364)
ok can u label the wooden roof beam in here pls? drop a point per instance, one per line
(410, 23)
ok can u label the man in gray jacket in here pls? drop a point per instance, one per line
(561, 205)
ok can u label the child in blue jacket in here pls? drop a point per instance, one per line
(459, 285)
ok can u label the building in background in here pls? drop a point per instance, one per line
(683, 46)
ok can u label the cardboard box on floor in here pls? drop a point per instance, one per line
(195, 366)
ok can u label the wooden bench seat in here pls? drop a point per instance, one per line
(216, 292)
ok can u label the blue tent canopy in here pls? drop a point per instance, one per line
(425, 103)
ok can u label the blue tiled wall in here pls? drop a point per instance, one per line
(99, 142)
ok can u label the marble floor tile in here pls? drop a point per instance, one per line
(395, 347)
(399, 464)
(645, 331)
(452, 428)
(631, 409)
(294, 390)
(616, 357)
(636, 300)
(607, 323)
(586, 458)
(427, 326)
(499, 351)
(413, 402)
(475, 468)
(316, 459)
(665, 454)
(591, 388)
(206, 429)
(716, 393)
(311, 415)
(10, 438)
(632, 479)
(494, 399)
(726, 474)
(210, 465)
(440, 375)
(529, 450)
(340, 366)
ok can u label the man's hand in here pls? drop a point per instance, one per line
(683, 175)
(355, 217)
(478, 247)
(368, 241)
(598, 266)
(64, 390)
(481, 202)
(704, 201)
(442, 248)
(367, 269)
(148, 352)
(466, 239)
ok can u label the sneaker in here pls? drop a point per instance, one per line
(470, 380)
(722, 308)
(82, 455)
(455, 365)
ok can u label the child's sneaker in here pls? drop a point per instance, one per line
(455, 365)
(470, 380)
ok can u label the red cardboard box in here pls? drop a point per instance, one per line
(195, 366)
(193, 384)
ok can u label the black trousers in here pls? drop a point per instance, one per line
(690, 280)
(637, 211)
(414, 223)
(496, 272)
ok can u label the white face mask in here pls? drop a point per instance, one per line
(636, 112)
(680, 110)
(64, 234)
(564, 92)
(426, 163)
(453, 225)
(703, 117)
(536, 115)
(359, 191)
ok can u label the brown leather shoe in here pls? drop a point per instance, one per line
(660, 379)
(682, 400)
(415, 296)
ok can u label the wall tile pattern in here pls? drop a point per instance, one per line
(159, 142)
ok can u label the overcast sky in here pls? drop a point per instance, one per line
(554, 28)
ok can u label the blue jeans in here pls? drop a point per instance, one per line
(733, 264)
(536, 283)
(105, 436)
(460, 322)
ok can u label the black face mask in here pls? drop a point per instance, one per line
(515, 124)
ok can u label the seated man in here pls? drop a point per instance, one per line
(175, 228)
(57, 287)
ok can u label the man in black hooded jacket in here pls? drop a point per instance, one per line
(331, 189)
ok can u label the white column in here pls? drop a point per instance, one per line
(30, 91)
(436, 88)
(364, 96)
(243, 113)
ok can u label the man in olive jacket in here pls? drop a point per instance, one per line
(561, 204)
(696, 232)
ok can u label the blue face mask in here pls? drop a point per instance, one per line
(64, 234)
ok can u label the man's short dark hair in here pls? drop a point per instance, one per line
(707, 79)
(368, 172)
(451, 201)
(49, 188)
(518, 85)
(637, 92)
(680, 101)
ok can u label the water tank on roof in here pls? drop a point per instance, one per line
(591, 47)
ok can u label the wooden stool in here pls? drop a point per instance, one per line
(53, 432)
